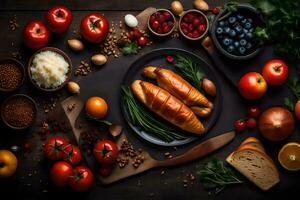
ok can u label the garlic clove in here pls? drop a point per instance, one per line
(131, 20)
(99, 59)
(73, 87)
(75, 45)
(176, 8)
(201, 5)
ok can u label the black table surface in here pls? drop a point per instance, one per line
(31, 178)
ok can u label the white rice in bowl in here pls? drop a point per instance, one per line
(49, 69)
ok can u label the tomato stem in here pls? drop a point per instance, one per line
(59, 13)
(2, 164)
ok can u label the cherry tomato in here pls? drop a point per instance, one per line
(106, 151)
(53, 148)
(155, 24)
(215, 10)
(82, 179)
(170, 59)
(137, 33)
(61, 173)
(105, 170)
(142, 41)
(94, 27)
(240, 125)
(35, 34)
(72, 154)
(251, 123)
(58, 19)
(253, 111)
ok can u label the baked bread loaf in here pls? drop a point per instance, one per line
(255, 164)
(167, 106)
(180, 88)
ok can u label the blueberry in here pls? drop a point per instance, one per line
(221, 24)
(238, 29)
(249, 35)
(236, 44)
(245, 31)
(232, 20)
(249, 45)
(232, 33)
(242, 50)
(241, 36)
(226, 41)
(251, 30)
(230, 49)
(248, 25)
(243, 42)
(239, 16)
(219, 30)
(226, 30)
(250, 20)
(244, 21)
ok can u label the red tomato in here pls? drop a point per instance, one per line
(94, 27)
(105, 170)
(142, 41)
(106, 151)
(252, 86)
(251, 123)
(53, 148)
(35, 34)
(72, 154)
(60, 173)
(58, 19)
(275, 72)
(240, 125)
(82, 179)
(253, 111)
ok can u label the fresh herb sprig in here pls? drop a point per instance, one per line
(281, 28)
(188, 68)
(145, 120)
(216, 175)
(130, 48)
(294, 86)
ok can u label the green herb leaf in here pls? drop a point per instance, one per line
(289, 104)
(216, 175)
(130, 48)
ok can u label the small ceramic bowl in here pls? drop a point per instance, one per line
(162, 34)
(248, 11)
(67, 59)
(18, 96)
(181, 21)
(22, 69)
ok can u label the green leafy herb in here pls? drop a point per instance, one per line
(281, 28)
(230, 7)
(294, 85)
(216, 175)
(100, 121)
(130, 48)
(290, 104)
(189, 69)
(146, 121)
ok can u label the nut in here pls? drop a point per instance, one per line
(73, 87)
(99, 59)
(75, 45)
(201, 5)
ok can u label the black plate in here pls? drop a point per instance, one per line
(158, 58)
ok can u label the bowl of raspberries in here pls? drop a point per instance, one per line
(161, 23)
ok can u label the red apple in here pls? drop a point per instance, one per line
(275, 72)
(252, 86)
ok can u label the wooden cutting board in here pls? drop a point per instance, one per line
(117, 174)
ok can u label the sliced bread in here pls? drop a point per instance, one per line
(256, 166)
(254, 145)
(250, 139)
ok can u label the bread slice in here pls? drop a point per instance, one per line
(250, 139)
(256, 166)
(254, 145)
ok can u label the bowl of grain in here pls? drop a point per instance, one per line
(19, 112)
(49, 69)
(12, 75)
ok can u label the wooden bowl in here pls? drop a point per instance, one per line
(16, 96)
(67, 59)
(21, 67)
(203, 34)
(162, 34)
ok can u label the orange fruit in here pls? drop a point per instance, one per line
(289, 156)
(96, 107)
(297, 109)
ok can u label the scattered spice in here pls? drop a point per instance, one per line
(110, 45)
(71, 107)
(50, 104)
(88, 139)
(16, 55)
(83, 69)
(10, 76)
(127, 152)
(19, 111)
(13, 24)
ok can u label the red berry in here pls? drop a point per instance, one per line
(152, 19)
(159, 30)
(196, 22)
(190, 35)
(202, 19)
(166, 28)
(240, 125)
(253, 111)
(185, 31)
(251, 123)
(155, 25)
(167, 15)
(191, 28)
(130, 35)
(170, 59)
(185, 19)
(184, 25)
(196, 34)
(105, 170)
(215, 10)
(142, 41)
(137, 33)
(201, 28)
(160, 18)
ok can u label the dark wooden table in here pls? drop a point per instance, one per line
(31, 179)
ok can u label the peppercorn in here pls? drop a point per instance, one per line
(10, 76)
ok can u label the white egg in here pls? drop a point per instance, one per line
(131, 20)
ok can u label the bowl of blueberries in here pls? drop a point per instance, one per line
(233, 32)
